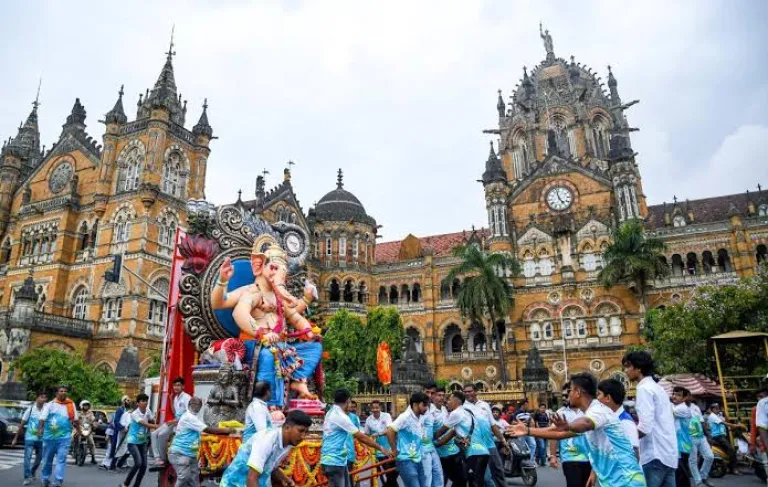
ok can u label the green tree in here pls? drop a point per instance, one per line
(634, 259)
(486, 290)
(44, 369)
(154, 368)
(678, 335)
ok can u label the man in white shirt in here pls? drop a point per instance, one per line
(257, 416)
(482, 411)
(656, 427)
(161, 435)
(376, 427)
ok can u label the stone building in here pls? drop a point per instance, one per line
(66, 211)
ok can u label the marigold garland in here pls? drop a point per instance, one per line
(217, 452)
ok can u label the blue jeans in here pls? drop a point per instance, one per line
(59, 449)
(541, 450)
(659, 475)
(433, 469)
(411, 473)
(700, 447)
(531, 442)
(29, 467)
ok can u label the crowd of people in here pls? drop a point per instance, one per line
(443, 436)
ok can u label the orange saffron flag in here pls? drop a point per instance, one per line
(384, 363)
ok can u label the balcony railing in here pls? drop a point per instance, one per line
(446, 303)
(45, 258)
(62, 325)
(696, 279)
(409, 307)
(471, 356)
(538, 280)
(355, 307)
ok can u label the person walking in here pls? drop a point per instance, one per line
(405, 435)
(336, 427)
(57, 420)
(571, 452)
(461, 424)
(162, 433)
(494, 475)
(609, 450)
(185, 446)
(541, 420)
(699, 446)
(719, 433)
(257, 415)
(33, 442)
(257, 461)
(433, 469)
(375, 426)
(658, 441)
(682, 414)
(450, 457)
(113, 435)
(141, 421)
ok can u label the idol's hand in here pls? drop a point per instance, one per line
(226, 271)
(272, 337)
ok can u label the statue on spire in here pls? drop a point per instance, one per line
(548, 45)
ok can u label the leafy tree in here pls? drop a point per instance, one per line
(45, 369)
(154, 368)
(633, 258)
(485, 291)
(678, 335)
(335, 380)
(352, 345)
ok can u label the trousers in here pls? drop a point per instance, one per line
(576, 473)
(475, 470)
(139, 454)
(30, 447)
(700, 447)
(433, 469)
(659, 475)
(453, 470)
(160, 438)
(412, 473)
(187, 470)
(59, 449)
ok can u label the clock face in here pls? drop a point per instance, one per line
(559, 198)
(60, 177)
(293, 244)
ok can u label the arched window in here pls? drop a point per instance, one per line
(762, 253)
(568, 331)
(334, 291)
(445, 291)
(457, 344)
(479, 343)
(724, 261)
(519, 155)
(677, 265)
(5, 252)
(708, 262)
(130, 174)
(545, 264)
(581, 328)
(393, 295)
(455, 288)
(678, 221)
(362, 293)
(549, 332)
(113, 308)
(691, 264)
(416, 293)
(172, 175)
(349, 294)
(80, 306)
(615, 326)
(167, 231)
(158, 303)
(452, 340)
(83, 236)
(602, 326)
(600, 137)
(405, 293)
(122, 228)
(535, 332)
(762, 210)
(561, 137)
(382, 295)
(608, 321)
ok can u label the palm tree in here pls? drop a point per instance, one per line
(633, 258)
(486, 290)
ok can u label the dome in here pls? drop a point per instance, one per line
(341, 205)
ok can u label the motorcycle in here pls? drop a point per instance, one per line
(720, 464)
(80, 445)
(518, 463)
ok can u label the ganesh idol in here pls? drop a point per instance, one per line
(278, 338)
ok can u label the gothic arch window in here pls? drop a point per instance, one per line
(129, 177)
(158, 303)
(477, 339)
(562, 136)
(405, 293)
(761, 253)
(762, 210)
(678, 221)
(167, 230)
(600, 137)
(80, 303)
(677, 265)
(113, 309)
(724, 261)
(5, 252)
(393, 295)
(122, 228)
(452, 340)
(691, 264)
(708, 262)
(535, 332)
(83, 236)
(519, 155)
(415, 337)
(382, 295)
(334, 291)
(172, 183)
(349, 293)
(94, 233)
(362, 293)
(416, 293)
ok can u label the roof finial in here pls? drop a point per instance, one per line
(205, 105)
(501, 107)
(759, 188)
(121, 92)
(674, 198)
(548, 45)
(171, 52)
(264, 173)
(239, 194)
(340, 179)
(36, 103)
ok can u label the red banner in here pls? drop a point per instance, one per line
(384, 363)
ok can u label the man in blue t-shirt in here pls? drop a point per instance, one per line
(461, 424)
(405, 435)
(335, 450)
(33, 440)
(718, 431)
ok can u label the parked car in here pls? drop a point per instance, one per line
(10, 423)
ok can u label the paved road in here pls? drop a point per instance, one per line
(12, 461)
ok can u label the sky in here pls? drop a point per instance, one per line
(397, 93)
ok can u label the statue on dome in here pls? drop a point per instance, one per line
(548, 44)
(271, 320)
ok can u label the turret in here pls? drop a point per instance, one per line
(203, 130)
(501, 107)
(496, 190)
(117, 114)
(612, 85)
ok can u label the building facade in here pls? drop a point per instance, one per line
(65, 212)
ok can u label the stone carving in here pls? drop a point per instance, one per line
(224, 399)
(60, 177)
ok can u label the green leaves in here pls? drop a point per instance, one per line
(45, 369)
(678, 336)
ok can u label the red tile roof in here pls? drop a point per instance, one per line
(707, 210)
(440, 245)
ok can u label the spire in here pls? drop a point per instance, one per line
(501, 106)
(493, 168)
(612, 85)
(117, 114)
(260, 187)
(203, 127)
(526, 79)
(164, 94)
(76, 119)
(340, 180)
(26, 144)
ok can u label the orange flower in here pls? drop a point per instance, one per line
(326, 355)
